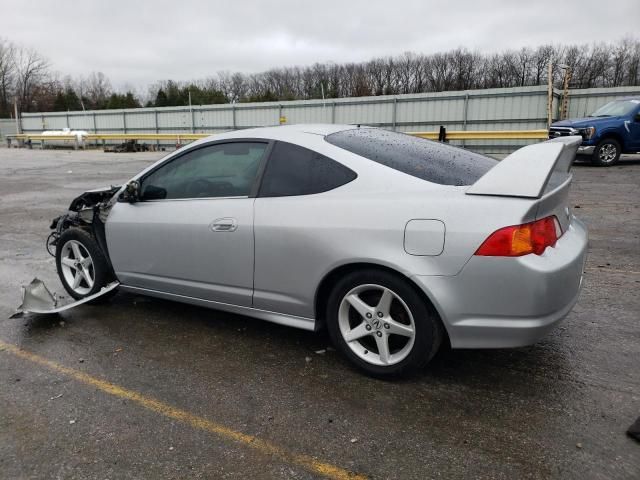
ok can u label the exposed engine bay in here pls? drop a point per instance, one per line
(88, 211)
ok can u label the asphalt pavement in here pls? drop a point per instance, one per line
(145, 388)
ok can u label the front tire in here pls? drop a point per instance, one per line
(606, 153)
(381, 323)
(82, 267)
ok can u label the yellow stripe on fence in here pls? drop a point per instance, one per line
(486, 135)
(147, 136)
(450, 135)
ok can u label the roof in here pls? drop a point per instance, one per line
(313, 128)
(280, 132)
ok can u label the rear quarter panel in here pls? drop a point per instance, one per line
(299, 240)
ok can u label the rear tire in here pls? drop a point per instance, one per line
(606, 153)
(82, 267)
(381, 323)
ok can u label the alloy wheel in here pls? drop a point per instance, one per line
(77, 267)
(376, 324)
(607, 153)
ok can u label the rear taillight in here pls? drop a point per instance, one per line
(519, 240)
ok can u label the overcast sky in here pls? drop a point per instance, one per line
(137, 42)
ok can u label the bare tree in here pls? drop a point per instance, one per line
(375, 72)
(524, 64)
(619, 60)
(405, 72)
(96, 88)
(25, 74)
(633, 66)
(465, 69)
(7, 72)
(541, 58)
(32, 70)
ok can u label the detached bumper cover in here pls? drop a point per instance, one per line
(497, 302)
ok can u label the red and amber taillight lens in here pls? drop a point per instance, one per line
(518, 240)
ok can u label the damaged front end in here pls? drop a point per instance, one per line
(89, 213)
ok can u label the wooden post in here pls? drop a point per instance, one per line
(564, 111)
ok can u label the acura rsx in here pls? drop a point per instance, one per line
(394, 243)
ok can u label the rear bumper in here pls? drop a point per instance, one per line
(497, 302)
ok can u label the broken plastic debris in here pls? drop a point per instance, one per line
(36, 298)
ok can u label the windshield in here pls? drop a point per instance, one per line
(616, 108)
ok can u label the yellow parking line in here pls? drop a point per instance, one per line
(262, 446)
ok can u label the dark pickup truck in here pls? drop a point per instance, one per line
(609, 131)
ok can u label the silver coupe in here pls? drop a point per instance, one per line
(394, 243)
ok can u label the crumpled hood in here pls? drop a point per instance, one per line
(92, 197)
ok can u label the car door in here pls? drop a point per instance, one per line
(293, 215)
(633, 127)
(191, 232)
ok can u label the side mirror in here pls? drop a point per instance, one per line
(151, 192)
(131, 192)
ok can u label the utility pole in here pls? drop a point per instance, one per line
(564, 108)
(191, 114)
(15, 109)
(323, 103)
(550, 93)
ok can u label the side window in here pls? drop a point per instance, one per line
(295, 170)
(223, 170)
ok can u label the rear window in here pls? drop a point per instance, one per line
(431, 161)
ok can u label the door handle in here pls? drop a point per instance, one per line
(224, 225)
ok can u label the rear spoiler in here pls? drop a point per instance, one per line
(528, 171)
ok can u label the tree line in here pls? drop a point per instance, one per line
(27, 76)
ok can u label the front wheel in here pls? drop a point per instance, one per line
(82, 267)
(606, 153)
(380, 323)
